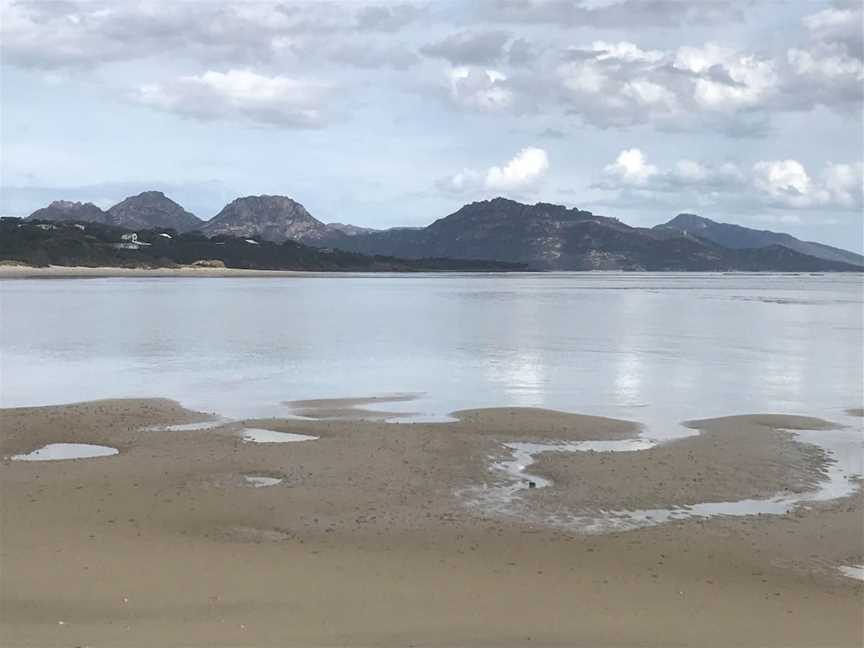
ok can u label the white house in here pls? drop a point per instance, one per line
(130, 242)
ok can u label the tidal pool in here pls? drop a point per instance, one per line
(260, 481)
(842, 446)
(258, 435)
(59, 451)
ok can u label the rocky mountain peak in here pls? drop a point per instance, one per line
(69, 210)
(274, 218)
(152, 209)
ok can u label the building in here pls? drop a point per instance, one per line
(130, 242)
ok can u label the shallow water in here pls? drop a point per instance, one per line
(60, 451)
(844, 448)
(853, 571)
(656, 348)
(188, 427)
(255, 435)
(259, 481)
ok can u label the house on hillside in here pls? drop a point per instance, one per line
(130, 242)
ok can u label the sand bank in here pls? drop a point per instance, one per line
(367, 541)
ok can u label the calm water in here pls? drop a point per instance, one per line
(657, 348)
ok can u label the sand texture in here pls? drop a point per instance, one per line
(371, 540)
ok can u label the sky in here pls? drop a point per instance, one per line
(398, 113)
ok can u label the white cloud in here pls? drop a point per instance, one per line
(845, 183)
(630, 168)
(784, 180)
(767, 183)
(624, 51)
(525, 169)
(241, 95)
(738, 80)
(479, 89)
(522, 173)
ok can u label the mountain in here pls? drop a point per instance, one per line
(94, 245)
(737, 237)
(543, 236)
(553, 237)
(152, 209)
(349, 230)
(67, 211)
(271, 218)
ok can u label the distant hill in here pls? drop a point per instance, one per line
(542, 236)
(553, 237)
(66, 211)
(737, 237)
(152, 209)
(273, 218)
(349, 230)
(42, 243)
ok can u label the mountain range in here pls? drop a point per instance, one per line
(543, 236)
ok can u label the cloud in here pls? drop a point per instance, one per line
(83, 33)
(618, 85)
(521, 174)
(611, 14)
(479, 89)
(630, 168)
(370, 54)
(838, 25)
(473, 48)
(787, 183)
(781, 184)
(241, 95)
(388, 17)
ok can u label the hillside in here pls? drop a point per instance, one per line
(553, 237)
(273, 218)
(42, 243)
(152, 209)
(738, 237)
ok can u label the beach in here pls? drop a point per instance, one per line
(383, 533)
(14, 271)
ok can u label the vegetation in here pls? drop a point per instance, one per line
(42, 243)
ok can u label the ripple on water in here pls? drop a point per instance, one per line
(58, 451)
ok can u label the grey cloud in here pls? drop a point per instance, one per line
(85, 34)
(366, 54)
(473, 48)
(627, 13)
(388, 17)
(521, 53)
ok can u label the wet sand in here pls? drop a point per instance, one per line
(368, 540)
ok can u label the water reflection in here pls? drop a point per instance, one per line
(652, 347)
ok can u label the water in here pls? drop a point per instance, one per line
(853, 571)
(843, 448)
(657, 348)
(60, 451)
(255, 435)
(259, 481)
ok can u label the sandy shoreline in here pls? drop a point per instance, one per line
(81, 272)
(368, 540)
